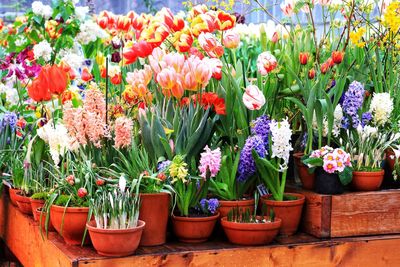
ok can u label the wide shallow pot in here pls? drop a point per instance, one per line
(73, 228)
(41, 216)
(328, 183)
(251, 234)
(367, 181)
(13, 195)
(35, 204)
(289, 211)
(154, 210)
(194, 229)
(115, 243)
(227, 205)
(24, 204)
(307, 179)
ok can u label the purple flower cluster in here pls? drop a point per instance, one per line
(9, 119)
(163, 165)
(352, 102)
(247, 165)
(20, 65)
(366, 118)
(260, 126)
(209, 205)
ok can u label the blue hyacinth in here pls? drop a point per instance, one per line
(352, 102)
(9, 119)
(260, 126)
(247, 165)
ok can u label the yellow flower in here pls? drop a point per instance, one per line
(356, 37)
(100, 59)
(391, 18)
(178, 169)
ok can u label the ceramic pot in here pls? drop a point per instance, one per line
(13, 195)
(24, 204)
(194, 229)
(367, 181)
(154, 210)
(226, 205)
(251, 234)
(74, 225)
(42, 220)
(289, 211)
(307, 179)
(328, 183)
(35, 204)
(115, 243)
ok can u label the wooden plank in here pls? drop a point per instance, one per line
(366, 213)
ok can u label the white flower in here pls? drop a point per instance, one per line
(89, 32)
(337, 120)
(42, 10)
(281, 136)
(57, 138)
(42, 50)
(122, 183)
(381, 108)
(81, 12)
(20, 41)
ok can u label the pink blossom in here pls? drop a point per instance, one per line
(266, 63)
(210, 162)
(123, 132)
(330, 166)
(253, 98)
(287, 7)
(210, 45)
(231, 39)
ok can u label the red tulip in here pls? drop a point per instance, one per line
(116, 79)
(58, 80)
(100, 182)
(82, 192)
(39, 89)
(311, 74)
(123, 23)
(325, 67)
(337, 57)
(303, 58)
(86, 76)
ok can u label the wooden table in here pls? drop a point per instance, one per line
(23, 237)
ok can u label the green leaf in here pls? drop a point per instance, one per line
(346, 176)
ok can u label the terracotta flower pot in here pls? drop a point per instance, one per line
(226, 205)
(154, 210)
(288, 210)
(194, 229)
(74, 223)
(367, 181)
(24, 204)
(35, 204)
(307, 179)
(13, 195)
(41, 216)
(115, 243)
(251, 234)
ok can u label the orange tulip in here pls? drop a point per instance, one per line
(123, 23)
(58, 80)
(337, 57)
(39, 88)
(303, 58)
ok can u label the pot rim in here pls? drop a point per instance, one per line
(370, 173)
(153, 194)
(252, 226)
(37, 200)
(91, 228)
(196, 219)
(57, 208)
(299, 201)
(235, 202)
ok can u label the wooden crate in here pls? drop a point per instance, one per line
(22, 236)
(351, 214)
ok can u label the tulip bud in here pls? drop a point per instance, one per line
(82, 192)
(324, 67)
(337, 57)
(311, 74)
(303, 58)
(100, 182)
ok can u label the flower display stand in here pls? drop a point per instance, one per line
(351, 214)
(22, 236)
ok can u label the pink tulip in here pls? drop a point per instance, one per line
(287, 7)
(231, 39)
(216, 67)
(253, 98)
(266, 63)
(175, 60)
(171, 82)
(210, 45)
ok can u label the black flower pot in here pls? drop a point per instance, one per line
(327, 183)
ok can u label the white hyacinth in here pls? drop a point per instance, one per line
(337, 120)
(281, 136)
(89, 32)
(57, 138)
(38, 8)
(42, 50)
(381, 108)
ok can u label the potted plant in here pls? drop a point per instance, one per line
(272, 168)
(116, 229)
(333, 169)
(242, 227)
(194, 219)
(226, 186)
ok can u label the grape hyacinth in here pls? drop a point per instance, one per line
(260, 126)
(211, 205)
(352, 102)
(247, 165)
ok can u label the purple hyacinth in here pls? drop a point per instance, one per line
(366, 118)
(211, 205)
(163, 165)
(260, 126)
(353, 100)
(247, 165)
(9, 119)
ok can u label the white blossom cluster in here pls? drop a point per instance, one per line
(38, 8)
(11, 93)
(281, 136)
(381, 108)
(42, 50)
(89, 32)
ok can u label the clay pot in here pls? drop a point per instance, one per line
(251, 234)
(115, 243)
(390, 158)
(35, 204)
(367, 181)
(41, 218)
(24, 204)
(307, 179)
(74, 223)
(194, 229)
(328, 183)
(226, 205)
(288, 210)
(154, 210)
(13, 195)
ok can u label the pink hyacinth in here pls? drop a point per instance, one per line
(210, 162)
(123, 132)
